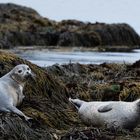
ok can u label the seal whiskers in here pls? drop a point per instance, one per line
(76, 102)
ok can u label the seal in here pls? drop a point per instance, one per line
(110, 114)
(11, 89)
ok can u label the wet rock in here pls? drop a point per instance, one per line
(46, 100)
(99, 82)
(136, 64)
(87, 134)
(91, 133)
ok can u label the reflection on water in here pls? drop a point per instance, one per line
(46, 57)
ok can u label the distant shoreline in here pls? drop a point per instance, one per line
(47, 57)
(75, 48)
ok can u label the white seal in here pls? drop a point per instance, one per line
(117, 114)
(11, 89)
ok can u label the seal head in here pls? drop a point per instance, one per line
(21, 73)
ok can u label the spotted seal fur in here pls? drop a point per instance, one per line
(109, 113)
(11, 89)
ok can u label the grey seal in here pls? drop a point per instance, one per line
(117, 114)
(11, 89)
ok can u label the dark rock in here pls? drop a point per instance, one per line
(23, 26)
(117, 34)
(90, 39)
(136, 64)
(107, 34)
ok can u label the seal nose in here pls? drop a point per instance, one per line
(30, 75)
(27, 73)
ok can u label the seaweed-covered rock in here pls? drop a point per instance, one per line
(46, 101)
(91, 133)
(102, 34)
(20, 17)
(99, 82)
(116, 34)
(89, 39)
(19, 26)
(23, 26)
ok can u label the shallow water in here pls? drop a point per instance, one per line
(47, 57)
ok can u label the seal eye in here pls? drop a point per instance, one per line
(19, 71)
(28, 69)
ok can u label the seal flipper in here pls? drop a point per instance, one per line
(105, 108)
(17, 111)
(76, 102)
(138, 102)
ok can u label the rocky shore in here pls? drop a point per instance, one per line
(47, 103)
(46, 98)
(22, 26)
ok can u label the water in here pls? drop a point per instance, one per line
(47, 58)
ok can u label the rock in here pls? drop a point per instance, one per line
(136, 64)
(106, 34)
(90, 39)
(99, 82)
(23, 26)
(91, 133)
(20, 25)
(46, 99)
(116, 34)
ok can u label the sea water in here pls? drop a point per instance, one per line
(50, 57)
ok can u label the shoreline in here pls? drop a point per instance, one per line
(46, 57)
(75, 48)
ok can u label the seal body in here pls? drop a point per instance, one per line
(11, 89)
(109, 114)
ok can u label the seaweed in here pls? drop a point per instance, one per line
(46, 99)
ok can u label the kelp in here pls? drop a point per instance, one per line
(46, 99)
